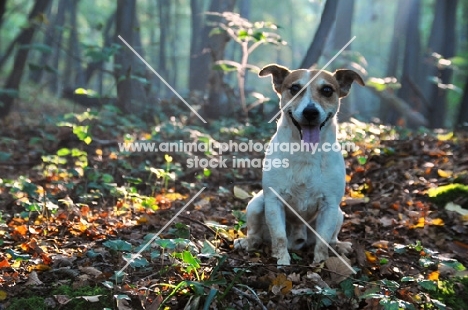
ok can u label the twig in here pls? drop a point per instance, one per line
(214, 232)
(253, 299)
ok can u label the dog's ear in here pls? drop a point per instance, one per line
(346, 78)
(278, 73)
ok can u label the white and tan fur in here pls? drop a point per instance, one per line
(314, 183)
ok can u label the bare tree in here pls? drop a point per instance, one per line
(130, 90)
(2, 10)
(411, 77)
(463, 111)
(14, 79)
(206, 49)
(326, 23)
(442, 42)
(76, 75)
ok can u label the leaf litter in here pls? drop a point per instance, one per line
(67, 225)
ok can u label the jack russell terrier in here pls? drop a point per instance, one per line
(314, 183)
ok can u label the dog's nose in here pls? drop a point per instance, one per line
(310, 113)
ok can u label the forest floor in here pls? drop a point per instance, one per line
(73, 209)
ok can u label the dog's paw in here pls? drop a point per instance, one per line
(320, 256)
(344, 247)
(284, 260)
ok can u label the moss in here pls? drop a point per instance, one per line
(453, 293)
(105, 300)
(448, 193)
(30, 303)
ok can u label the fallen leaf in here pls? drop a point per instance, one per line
(33, 279)
(433, 276)
(444, 173)
(381, 244)
(62, 299)
(437, 222)
(91, 271)
(3, 295)
(4, 263)
(281, 285)
(240, 193)
(339, 270)
(456, 208)
(420, 224)
(371, 258)
(94, 298)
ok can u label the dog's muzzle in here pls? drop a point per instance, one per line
(309, 133)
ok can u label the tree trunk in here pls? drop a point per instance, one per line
(207, 49)
(131, 92)
(341, 35)
(58, 35)
(326, 22)
(2, 10)
(98, 65)
(36, 74)
(387, 113)
(164, 8)
(25, 37)
(412, 58)
(75, 76)
(443, 43)
(463, 111)
(343, 25)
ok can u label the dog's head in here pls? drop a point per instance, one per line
(310, 106)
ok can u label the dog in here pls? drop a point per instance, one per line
(313, 184)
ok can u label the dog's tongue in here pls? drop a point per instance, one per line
(311, 134)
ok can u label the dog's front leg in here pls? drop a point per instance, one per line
(326, 226)
(275, 218)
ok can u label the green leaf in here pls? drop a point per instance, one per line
(17, 255)
(188, 258)
(407, 279)
(166, 243)
(362, 160)
(391, 285)
(107, 178)
(428, 285)
(242, 34)
(4, 156)
(137, 262)
(215, 31)
(209, 299)
(389, 304)
(224, 67)
(118, 245)
(63, 152)
(454, 264)
(426, 262)
(206, 172)
(133, 180)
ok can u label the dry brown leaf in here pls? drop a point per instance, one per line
(62, 299)
(281, 285)
(339, 271)
(94, 298)
(240, 193)
(33, 279)
(91, 271)
(317, 279)
(381, 244)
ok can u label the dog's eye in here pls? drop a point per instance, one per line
(294, 89)
(326, 91)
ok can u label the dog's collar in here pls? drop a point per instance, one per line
(299, 126)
